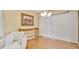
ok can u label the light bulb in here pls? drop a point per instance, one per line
(42, 14)
(49, 14)
(45, 13)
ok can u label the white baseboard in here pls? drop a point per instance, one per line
(46, 36)
(58, 38)
(30, 38)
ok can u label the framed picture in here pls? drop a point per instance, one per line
(27, 20)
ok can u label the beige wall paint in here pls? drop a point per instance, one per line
(12, 20)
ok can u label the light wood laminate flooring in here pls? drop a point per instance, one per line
(48, 43)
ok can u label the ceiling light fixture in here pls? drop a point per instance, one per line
(46, 14)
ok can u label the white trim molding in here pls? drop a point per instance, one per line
(58, 38)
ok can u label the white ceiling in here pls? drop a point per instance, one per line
(38, 11)
(53, 11)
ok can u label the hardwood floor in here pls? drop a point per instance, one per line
(47, 43)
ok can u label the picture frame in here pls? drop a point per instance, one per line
(27, 20)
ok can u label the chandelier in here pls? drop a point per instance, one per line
(46, 14)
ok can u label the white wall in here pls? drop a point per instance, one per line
(63, 27)
(1, 24)
(43, 26)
